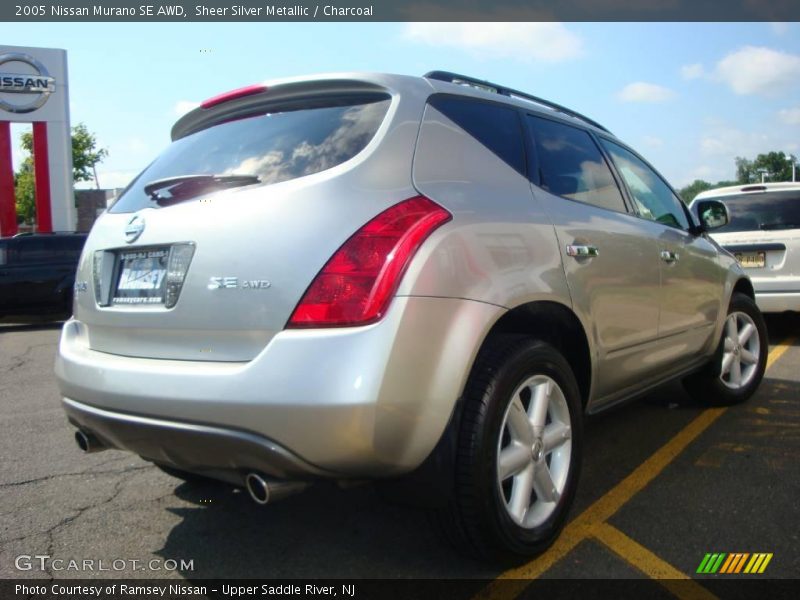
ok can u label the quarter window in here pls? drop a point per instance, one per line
(653, 198)
(572, 166)
(496, 127)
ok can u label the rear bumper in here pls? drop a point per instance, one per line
(351, 402)
(218, 452)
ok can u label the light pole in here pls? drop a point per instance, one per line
(763, 174)
(793, 158)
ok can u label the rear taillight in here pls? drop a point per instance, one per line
(356, 285)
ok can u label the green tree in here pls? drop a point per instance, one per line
(85, 156)
(24, 191)
(776, 166)
(745, 170)
(688, 192)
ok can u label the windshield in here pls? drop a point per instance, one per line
(766, 211)
(273, 147)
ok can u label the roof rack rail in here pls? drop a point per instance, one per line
(488, 86)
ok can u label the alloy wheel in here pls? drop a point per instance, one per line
(534, 451)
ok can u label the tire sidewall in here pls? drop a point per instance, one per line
(722, 393)
(534, 359)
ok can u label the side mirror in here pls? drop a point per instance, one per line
(713, 214)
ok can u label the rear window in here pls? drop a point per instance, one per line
(766, 211)
(275, 146)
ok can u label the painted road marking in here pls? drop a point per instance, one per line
(675, 581)
(586, 524)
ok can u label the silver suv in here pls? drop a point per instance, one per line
(425, 280)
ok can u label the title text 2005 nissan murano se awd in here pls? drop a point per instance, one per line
(432, 278)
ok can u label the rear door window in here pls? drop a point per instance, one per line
(273, 146)
(495, 126)
(571, 165)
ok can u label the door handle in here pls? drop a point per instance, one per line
(669, 257)
(581, 251)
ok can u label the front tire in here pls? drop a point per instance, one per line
(519, 450)
(739, 363)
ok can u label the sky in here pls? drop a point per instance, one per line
(690, 97)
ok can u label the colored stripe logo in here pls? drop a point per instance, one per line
(734, 563)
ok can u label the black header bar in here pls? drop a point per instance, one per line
(399, 10)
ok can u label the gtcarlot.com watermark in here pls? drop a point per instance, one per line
(50, 564)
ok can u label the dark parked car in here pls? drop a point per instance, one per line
(37, 273)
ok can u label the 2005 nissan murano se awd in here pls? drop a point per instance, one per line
(367, 276)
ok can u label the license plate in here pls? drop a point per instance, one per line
(751, 260)
(141, 276)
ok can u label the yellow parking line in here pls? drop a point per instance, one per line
(778, 351)
(651, 565)
(584, 525)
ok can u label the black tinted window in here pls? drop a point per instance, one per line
(768, 211)
(653, 198)
(496, 127)
(572, 166)
(70, 246)
(5, 254)
(36, 250)
(275, 146)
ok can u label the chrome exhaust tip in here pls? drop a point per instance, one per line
(257, 487)
(88, 443)
(264, 491)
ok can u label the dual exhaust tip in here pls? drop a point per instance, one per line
(264, 491)
(88, 442)
(261, 489)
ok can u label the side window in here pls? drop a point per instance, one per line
(34, 250)
(572, 166)
(496, 127)
(653, 198)
(73, 246)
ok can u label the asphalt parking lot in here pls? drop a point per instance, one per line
(664, 482)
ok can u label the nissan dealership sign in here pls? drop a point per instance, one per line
(34, 90)
(29, 91)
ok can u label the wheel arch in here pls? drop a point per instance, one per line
(557, 325)
(545, 320)
(744, 286)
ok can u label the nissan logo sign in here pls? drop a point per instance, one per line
(134, 229)
(38, 84)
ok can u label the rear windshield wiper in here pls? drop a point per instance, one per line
(183, 187)
(771, 226)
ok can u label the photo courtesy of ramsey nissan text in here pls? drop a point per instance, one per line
(399, 300)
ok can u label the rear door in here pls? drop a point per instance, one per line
(36, 271)
(691, 277)
(8, 295)
(609, 255)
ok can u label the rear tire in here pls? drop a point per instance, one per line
(518, 454)
(738, 365)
